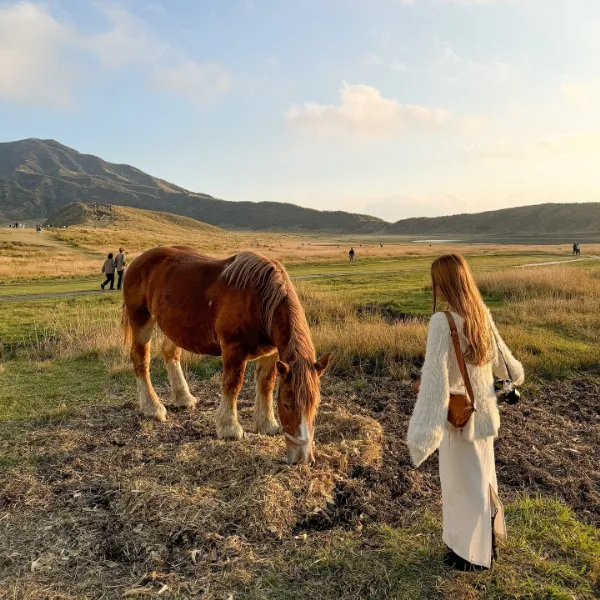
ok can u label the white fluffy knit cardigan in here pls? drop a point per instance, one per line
(441, 376)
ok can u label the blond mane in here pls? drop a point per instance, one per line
(270, 279)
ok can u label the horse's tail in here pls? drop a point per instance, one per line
(126, 327)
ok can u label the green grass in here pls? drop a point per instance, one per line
(31, 322)
(549, 555)
(51, 286)
(40, 389)
(46, 375)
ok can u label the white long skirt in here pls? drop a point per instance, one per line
(470, 497)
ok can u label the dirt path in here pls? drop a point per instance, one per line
(559, 262)
(48, 295)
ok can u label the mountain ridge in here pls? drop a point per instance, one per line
(38, 177)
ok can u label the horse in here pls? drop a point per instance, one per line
(240, 308)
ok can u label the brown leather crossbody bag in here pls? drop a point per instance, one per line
(461, 406)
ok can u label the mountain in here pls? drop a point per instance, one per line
(38, 177)
(524, 220)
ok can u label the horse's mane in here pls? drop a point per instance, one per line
(270, 279)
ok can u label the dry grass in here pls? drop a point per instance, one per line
(79, 250)
(550, 316)
(96, 502)
(110, 505)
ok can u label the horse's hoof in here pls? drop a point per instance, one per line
(185, 401)
(158, 413)
(266, 428)
(232, 431)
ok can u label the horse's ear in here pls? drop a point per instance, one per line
(284, 370)
(323, 363)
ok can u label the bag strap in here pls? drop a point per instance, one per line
(459, 355)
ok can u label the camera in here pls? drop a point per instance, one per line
(506, 391)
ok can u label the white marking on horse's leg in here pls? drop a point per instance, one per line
(150, 405)
(228, 427)
(264, 417)
(180, 392)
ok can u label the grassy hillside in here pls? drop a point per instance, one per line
(38, 177)
(537, 219)
(101, 227)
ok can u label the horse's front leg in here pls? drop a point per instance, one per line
(264, 418)
(180, 392)
(234, 367)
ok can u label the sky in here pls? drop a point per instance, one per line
(395, 108)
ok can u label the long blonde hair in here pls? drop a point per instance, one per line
(452, 278)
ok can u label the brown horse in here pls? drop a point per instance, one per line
(241, 308)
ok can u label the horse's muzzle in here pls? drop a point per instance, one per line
(299, 454)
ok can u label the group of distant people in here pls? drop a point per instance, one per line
(114, 264)
(576, 249)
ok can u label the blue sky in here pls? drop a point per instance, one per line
(397, 108)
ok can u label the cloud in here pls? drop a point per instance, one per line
(373, 59)
(453, 67)
(194, 81)
(579, 145)
(363, 112)
(33, 69)
(42, 59)
(128, 40)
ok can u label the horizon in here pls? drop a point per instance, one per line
(389, 108)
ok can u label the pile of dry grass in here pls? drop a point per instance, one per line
(116, 502)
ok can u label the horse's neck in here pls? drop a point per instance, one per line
(283, 334)
(281, 329)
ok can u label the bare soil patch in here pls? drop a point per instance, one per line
(105, 503)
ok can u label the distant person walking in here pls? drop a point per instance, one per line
(574, 247)
(108, 268)
(120, 262)
(351, 255)
(578, 250)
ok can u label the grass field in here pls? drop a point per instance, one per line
(96, 502)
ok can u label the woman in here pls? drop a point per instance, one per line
(472, 512)
(108, 268)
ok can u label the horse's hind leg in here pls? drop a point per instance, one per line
(264, 377)
(150, 405)
(180, 392)
(228, 427)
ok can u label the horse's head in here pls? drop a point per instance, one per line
(299, 396)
